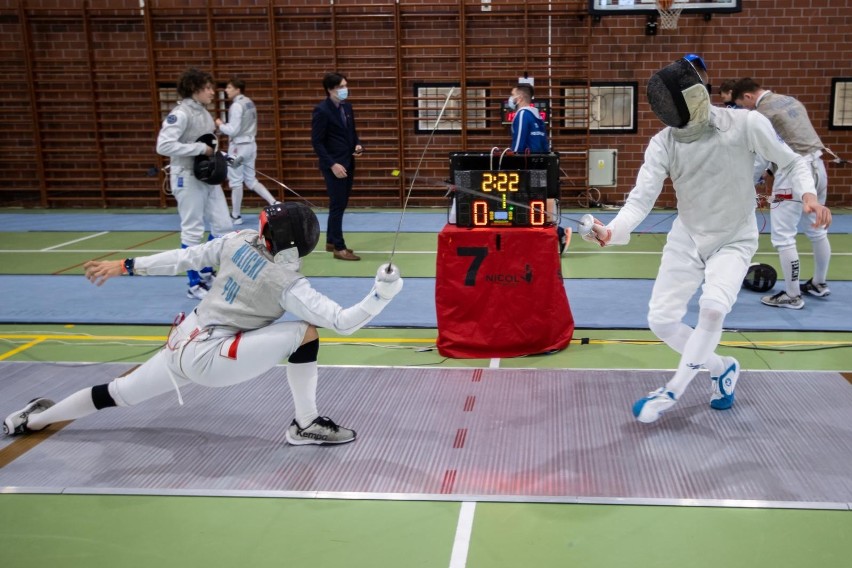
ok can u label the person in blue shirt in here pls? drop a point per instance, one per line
(528, 128)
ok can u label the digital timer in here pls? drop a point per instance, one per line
(499, 198)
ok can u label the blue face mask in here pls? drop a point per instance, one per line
(512, 104)
(342, 93)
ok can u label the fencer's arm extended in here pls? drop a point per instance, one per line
(166, 263)
(302, 301)
(168, 141)
(235, 120)
(640, 201)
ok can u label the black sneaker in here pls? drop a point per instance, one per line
(815, 288)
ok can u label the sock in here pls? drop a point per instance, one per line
(822, 256)
(261, 190)
(790, 267)
(698, 349)
(236, 200)
(303, 386)
(75, 406)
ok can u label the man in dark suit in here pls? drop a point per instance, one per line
(336, 143)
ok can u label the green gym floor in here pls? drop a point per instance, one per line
(77, 530)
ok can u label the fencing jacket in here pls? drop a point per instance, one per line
(242, 121)
(185, 124)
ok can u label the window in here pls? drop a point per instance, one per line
(431, 97)
(603, 107)
(840, 115)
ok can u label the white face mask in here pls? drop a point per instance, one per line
(512, 104)
(342, 93)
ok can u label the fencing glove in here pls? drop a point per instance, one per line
(387, 285)
(593, 230)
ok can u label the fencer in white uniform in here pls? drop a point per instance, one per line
(241, 130)
(198, 203)
(708, 153)
(233, 335)
(790, 119)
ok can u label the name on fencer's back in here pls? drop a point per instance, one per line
(249, 261)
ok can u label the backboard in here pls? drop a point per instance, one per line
(619, 7)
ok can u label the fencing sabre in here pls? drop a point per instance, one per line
(236, 161)
(414, 178)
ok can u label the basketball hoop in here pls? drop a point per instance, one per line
(668, 15)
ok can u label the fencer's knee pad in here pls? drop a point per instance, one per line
(101, 397)
(306, 353)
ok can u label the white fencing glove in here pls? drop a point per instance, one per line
(387, 285)
(593, 230)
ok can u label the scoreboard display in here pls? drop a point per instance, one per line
(515, 195)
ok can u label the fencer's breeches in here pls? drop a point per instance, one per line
(245, 173)
(213, 357)
(198, 204)
(786, 213)
(683, 269)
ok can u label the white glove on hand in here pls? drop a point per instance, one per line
(388, 281)
(593, 231)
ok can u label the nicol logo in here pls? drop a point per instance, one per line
(509, 278)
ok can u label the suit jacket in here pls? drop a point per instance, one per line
(333, 141)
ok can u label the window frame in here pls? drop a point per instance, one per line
(845, 109)
(594, 88)
(477, 119)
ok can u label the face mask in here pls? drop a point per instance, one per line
(342, 93)
(512, 104)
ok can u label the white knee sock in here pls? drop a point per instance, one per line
(822, 256)
(73, 407)
(698, 350)
(790, 267)
(261, 190)
(236, 200)
(303, 386)
(676, 336)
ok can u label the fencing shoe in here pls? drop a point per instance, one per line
(650, 408)
(197, 292)
(16, 423)
(322, 431)
(238, 220)
(724, 385)
(815, 288)
(782, 300)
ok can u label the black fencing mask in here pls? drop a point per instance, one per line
(212, 170)
(288, 225)
(666, 91)
(760, 278)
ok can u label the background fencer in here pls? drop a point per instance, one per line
(708, 152)
(186, 137)
(241, 130)
(233, 336)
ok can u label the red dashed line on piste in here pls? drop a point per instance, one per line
(469, 402)
(461, 434)
(449, 481)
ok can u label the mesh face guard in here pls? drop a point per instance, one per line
(213, 169)
(760, 278)
(666, 86)
(288, 225)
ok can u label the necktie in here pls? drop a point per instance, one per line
(342, 115)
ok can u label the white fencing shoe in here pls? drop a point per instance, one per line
(724, 385)
(197, 292)
(322, 431)
(650, 408)
(16, 423)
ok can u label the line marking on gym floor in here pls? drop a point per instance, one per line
(132, 248)
(25, 443)
(464, 528)
(74, 241)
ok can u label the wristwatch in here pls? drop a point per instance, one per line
(128, 265)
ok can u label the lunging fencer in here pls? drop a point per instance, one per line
(708, 153)
(233, 336)
(196, 171)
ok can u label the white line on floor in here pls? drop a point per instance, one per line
(74, 241)
(463, 530)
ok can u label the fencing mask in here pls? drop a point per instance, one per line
(678, 93)
(760, 278)
(212, 170)
(288, 225)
